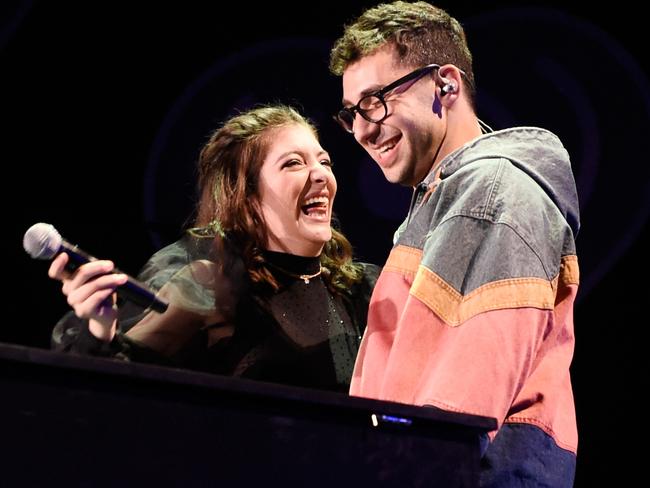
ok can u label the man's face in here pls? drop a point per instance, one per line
(404, 144)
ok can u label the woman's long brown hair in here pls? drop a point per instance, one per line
(229, 168)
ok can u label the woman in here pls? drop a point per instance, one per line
(262, 287)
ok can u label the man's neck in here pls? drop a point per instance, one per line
(462, 128)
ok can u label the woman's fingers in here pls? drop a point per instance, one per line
(94, 305)
(89, 288)
(56, 270)
(86, 273)
(89, 295)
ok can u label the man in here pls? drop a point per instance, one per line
(473, 311)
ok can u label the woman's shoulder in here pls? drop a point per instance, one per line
(167, 261)
(369, 275)
(370, 271)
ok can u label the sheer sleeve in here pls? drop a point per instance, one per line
(184, 274)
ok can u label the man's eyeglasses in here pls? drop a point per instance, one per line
(372, 107)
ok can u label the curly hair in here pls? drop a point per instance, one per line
(229, 168)
(420, 33)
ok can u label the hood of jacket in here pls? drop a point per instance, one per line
(537, 152)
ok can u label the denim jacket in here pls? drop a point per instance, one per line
(473, 311)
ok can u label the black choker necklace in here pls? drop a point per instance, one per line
(304, 277)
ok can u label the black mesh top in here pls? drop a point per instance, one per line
(303, 334)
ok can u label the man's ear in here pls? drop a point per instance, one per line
(447, 88)
(449, 79)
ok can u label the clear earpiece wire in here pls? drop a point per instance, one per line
(484, 127)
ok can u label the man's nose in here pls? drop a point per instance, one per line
(363, 129)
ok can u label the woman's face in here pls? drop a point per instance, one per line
(296, 192)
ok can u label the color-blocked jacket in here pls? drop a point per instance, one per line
(473, 311)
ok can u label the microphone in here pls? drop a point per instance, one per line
(42, 241)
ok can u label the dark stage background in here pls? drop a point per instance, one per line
(106, 104)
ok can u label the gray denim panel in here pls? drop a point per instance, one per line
(537, 152)
(490, 219)
(492, 204)
(483, 252)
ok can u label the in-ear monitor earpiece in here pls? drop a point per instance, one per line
(447, 89)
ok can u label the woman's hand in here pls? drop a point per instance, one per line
(90, 291)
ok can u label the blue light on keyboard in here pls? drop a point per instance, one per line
(377, 419)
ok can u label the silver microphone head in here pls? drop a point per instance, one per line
(42, 241)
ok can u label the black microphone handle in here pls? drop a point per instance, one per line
(133, 290)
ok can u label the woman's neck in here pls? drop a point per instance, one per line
(303, 250)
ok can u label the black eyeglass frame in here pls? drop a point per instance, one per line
(349, 112)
